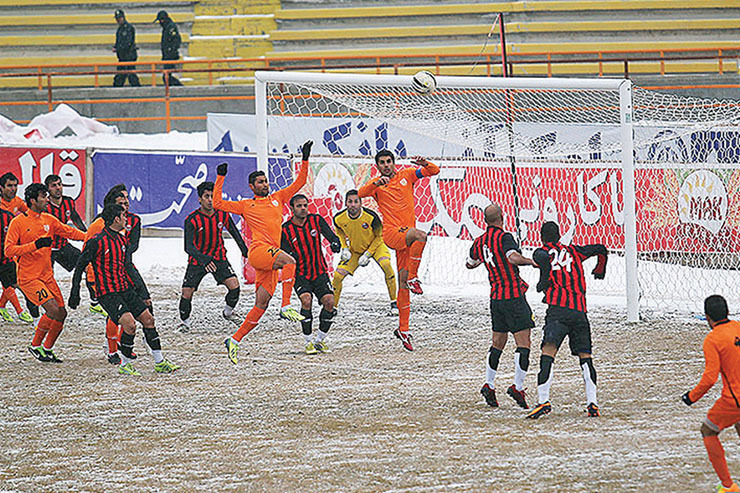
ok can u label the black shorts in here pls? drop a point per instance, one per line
(66, 257)
(8, 275)
(561, 322)
(511, 315)
(116, 304)
(194, 274)
(138, 282)
(319, 287)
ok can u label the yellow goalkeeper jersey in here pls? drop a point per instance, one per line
(361, 234)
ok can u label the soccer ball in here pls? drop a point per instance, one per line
(424, 82)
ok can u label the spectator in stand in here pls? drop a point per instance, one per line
(170, 45)
(125, 49)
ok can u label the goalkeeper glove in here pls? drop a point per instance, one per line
(306, 149)
(222, 169)
(686, 399)
(43, 242)
(345, 255)
(335, 246)
(364, 259)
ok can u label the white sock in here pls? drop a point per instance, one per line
(543, 390)
(186, 322)
(308, 338)
(234, 341)
(519, 373)
(490, 373)
(228, 310)
(590, 385)
(320, 336)
(125, 360)
(157, 355)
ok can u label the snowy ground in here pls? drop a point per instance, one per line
(367, 417)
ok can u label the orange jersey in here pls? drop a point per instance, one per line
(721, 355)
(263, 215)
(15, 206)
(24, 230)
(396, 198)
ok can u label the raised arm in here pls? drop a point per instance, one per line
(236, 234)
(427, 168)
(218, 192)
(286, 193)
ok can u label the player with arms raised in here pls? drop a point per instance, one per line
(510, 311)
(563, 281)
(394, 193)
(264, 216)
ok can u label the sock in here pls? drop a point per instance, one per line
(231, 299)
(54, 331)
(404, 309)
(186, 306)
(325, 320)
(126, 347)
(10, 295)
(717, 457)
(253, 318)
(41, 330)
(321, 335)
(307, 324)
(521, 365)
(336, 284)
(589, 378)
(111, 335)
(544, 378)
(288, 282)
(494, 355)
(151, 337)
(4, 297)
(390, 279)
(415, 251)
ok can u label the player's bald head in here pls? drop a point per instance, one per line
(493, 215)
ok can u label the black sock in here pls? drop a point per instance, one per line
(152, 339)
(545, 369)
(126, 345)
(307, 322)
(494, 355)
(523, 358)
(186, 305)
(232, 297)
(325, 319)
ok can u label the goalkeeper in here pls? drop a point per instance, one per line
(361, 234)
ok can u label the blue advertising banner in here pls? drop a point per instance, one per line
(162, 185)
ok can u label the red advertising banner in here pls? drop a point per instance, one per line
(33, 164)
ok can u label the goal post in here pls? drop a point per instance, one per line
(610, 162)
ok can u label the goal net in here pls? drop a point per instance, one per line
(653, 177)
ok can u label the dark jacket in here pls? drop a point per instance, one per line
(170, 41)
(126, 43)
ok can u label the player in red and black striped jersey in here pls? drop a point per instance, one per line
(106, 252)
(563, 281)
(8, 275)
(301, 238)
(204, 244)
(510, 311)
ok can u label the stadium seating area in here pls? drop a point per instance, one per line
(82, 31)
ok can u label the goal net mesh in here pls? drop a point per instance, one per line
(548, 154)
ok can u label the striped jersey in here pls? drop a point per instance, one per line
(304, 243)
(132, 232)
(5, 218)
(63, 212)
(561, 273)
(493, 248)
(106, 252)
(205, 233)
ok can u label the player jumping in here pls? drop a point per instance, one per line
(510, 311)
(264, 216)
(394, 193)
(563, 282)
(361, 234)
(721, 355)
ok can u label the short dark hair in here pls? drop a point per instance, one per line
(51, 179)
(550, 232)
(384, 152)
(206, 186)
(111, 199)
(7, 176)
(110, 212)
(351, 193)
(114, 190)
(254, 175)
(715, 308)
(296, 198)
(33, 190)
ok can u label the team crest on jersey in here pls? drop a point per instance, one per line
(128, 227)
(365, 225)
(46, 228)
(313, 233)
(220, 225)
(404, 182)
(69, 213)
(275, 203)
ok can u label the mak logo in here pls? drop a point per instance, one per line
(702, 200)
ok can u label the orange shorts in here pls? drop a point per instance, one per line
(723, 414)
(395, 238)
(262, 258)
(39, 291)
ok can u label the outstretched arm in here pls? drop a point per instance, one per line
(286, 193)
(595, 250)
(66, 231)
(427, 168)
(77, 220)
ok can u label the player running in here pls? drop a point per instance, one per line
(8, 275)
(29, 239)
(721, 355)
(204, 244)
(394, 193)
(361, 234)
(563, 282)
(301, 238)
(264, 216)
(510, 311)
(106, 252)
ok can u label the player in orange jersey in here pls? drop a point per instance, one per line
(721, 355)
(264, 216)
(394, 193)
(29, 239)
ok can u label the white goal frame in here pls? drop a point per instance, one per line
(622, 86)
